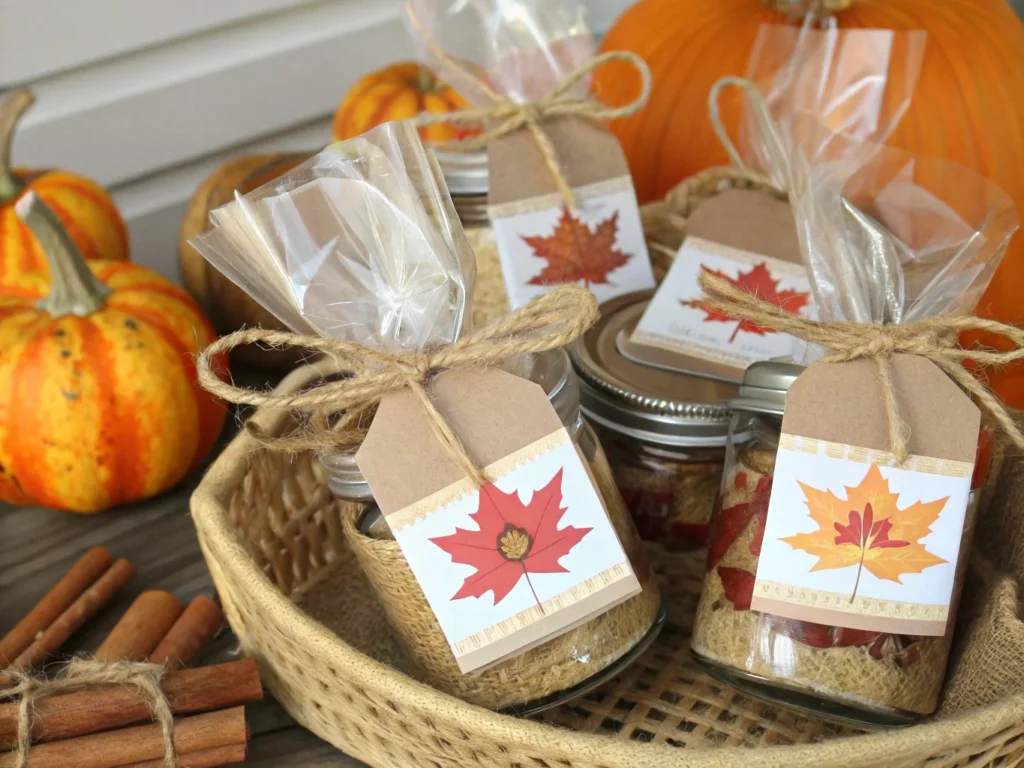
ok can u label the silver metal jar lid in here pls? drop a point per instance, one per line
(765, 386)
(656, 406)
(465, 173)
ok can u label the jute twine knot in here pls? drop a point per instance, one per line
(506, 116)
(933, 338)
(333, 412)
(143, 679)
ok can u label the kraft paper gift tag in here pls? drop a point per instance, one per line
(511, 565)
(750, 238)
(852, 539)
(541, 242)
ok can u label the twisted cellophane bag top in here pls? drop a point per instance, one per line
(361, 245)
(887, 238)
(493, 49)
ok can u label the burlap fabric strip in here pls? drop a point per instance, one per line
(934, 338)
(332, 413)
(142, 679)
(505, 116)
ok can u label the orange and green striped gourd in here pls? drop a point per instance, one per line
(399, 92)
(99, 403)
(83, 206)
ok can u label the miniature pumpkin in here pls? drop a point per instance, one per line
(968, 105)
(100, 402)
(395, 93)
(84, 208)
(228, 306)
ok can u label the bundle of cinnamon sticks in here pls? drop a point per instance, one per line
(88, 728)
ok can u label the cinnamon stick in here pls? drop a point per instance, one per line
(136, 745)
(87, 604)
(188, 691)
(203, 758)
(190, 633)
(141, 628)
(90, 567)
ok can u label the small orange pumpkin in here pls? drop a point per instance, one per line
(84, 208)
(99, 403)
(968, 105)
(399, 92)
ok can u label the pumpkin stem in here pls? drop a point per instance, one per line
(12, 107)
(821, 7)
(426, 81)
(74, 289)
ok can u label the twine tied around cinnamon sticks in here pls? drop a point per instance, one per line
(143, 679)
(933, 338)
(333, 411)
(506, 116)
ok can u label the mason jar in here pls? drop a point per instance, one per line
(559, 668)
(664, 432)
(848, 675)
(466, 175)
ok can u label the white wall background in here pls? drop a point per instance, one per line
(149, 96)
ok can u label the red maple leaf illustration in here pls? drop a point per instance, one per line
(513, 540)
(759, 282)
(574, 253)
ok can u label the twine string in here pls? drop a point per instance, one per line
(506, 116)
(143, 679)
(333, 412)
(933, 338)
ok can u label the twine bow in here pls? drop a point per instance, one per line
(508, 116)
(143, 679)
(333, 410)
(934, 338)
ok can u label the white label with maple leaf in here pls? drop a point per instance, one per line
(676, 321)
(521, 560)
(853, 541)
(600, 244)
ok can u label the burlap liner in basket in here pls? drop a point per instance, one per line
(269, 529)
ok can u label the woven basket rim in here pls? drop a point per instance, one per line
(209, 513)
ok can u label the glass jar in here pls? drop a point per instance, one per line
(856, 676)
(466, 175)
(559, 668)
(664, 431)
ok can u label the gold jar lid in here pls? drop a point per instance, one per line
(662, 407)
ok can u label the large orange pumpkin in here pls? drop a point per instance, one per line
(99, 403)
(968, 106)
(84, 207)
(398, 92)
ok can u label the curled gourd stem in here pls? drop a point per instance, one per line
(12, 106)
(74, 289)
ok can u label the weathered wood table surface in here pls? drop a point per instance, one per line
(37, 546)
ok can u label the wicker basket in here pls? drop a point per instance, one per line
(274, 541)
(272, 537)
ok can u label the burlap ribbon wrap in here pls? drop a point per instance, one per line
(80, 674)
(934, 338)
(332, 413)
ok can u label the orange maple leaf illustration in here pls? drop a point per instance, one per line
(759, 282)
(575, 253)
(868, 530)
(513, 540)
